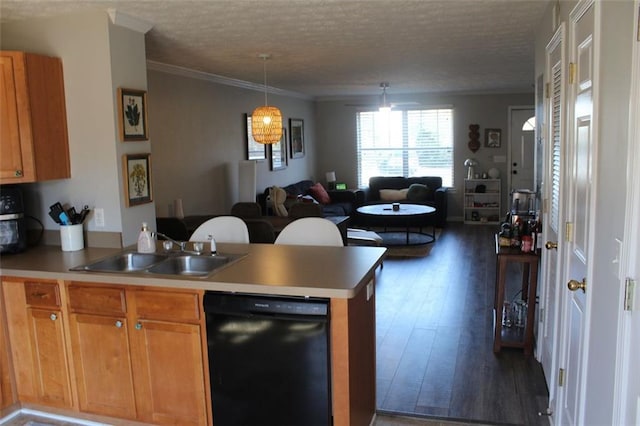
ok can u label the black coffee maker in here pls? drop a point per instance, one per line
(13, 229)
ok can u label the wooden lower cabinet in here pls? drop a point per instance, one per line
(145, 364)
(53, 386)
(38, 344)
(169, 365)
(7, 395)
(104, 375)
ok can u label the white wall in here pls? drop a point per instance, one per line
(336, 124)
(97, 58)
(129, 70)
(614, 71)
(198, 139)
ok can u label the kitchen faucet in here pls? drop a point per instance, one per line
(181, 244)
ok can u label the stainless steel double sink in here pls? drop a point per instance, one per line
(169, 263)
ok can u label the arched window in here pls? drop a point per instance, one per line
(529, 125)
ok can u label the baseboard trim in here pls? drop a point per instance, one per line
(50, 416)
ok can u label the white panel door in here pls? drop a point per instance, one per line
(580, 171)
(522, 147)
(552, 285)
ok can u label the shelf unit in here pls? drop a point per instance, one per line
(482, 207)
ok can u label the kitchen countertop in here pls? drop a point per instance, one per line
(330, 272)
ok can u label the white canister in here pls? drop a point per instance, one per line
(71, 237)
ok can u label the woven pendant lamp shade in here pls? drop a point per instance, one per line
(266, 124)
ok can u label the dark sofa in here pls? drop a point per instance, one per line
(436, 195)
(343, 203)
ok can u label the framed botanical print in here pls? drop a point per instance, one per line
(278, 153)
(132, 115)
(255, 150)
(296, 133)
(136, 170)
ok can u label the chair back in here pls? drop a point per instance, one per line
(310, 231)
(299, 210)
(260, 231)
(173, 228)
(223, 229)
(246, 210)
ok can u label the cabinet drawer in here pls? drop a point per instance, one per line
(97, 300)
(42, 294)
(161, 305)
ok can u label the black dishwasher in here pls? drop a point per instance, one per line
(268, 359)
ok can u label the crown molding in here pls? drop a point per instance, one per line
(218, 79)
(127, 21)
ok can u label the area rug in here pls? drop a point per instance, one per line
(395, 242)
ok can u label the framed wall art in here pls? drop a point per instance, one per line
(492, 138)
(136, 170)
(132, 115)
(255, 150)
(296, 133)
(278, 153)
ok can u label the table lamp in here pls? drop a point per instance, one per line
(471, 164)
(331, 180)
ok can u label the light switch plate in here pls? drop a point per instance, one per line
(98, 218)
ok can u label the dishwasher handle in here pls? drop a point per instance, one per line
(249, 304)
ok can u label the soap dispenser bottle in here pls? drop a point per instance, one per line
(146, 243)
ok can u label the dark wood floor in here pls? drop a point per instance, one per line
(435, 336)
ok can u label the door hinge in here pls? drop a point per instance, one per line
(561, 377)
(629, 292)
(568, 231)
(541, 316)
(572, 72)
(638, 35)
(547, 90)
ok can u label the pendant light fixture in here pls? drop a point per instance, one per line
(266, 121)
(384, 106)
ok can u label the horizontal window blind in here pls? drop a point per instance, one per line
(405, 143)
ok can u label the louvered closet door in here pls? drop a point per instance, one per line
(550, 293)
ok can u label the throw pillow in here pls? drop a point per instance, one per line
(318, 192)
(393, 194)
(419, 192)
(278, 197)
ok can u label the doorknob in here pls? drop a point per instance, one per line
(551, 245)
(574, 285)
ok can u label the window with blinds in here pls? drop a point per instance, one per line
(405, 143)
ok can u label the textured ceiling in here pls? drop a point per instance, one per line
(328, 48)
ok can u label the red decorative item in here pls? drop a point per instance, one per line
(474, 137)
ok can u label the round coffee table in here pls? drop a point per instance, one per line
(408, 215)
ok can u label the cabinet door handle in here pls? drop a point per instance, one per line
(18, 173)
(118, 324)
(138, 326)
(53, 317)
(39, 295)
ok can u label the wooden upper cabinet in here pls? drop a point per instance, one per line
(33, 121)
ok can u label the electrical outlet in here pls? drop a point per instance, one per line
(369, 290)
(98, 217)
